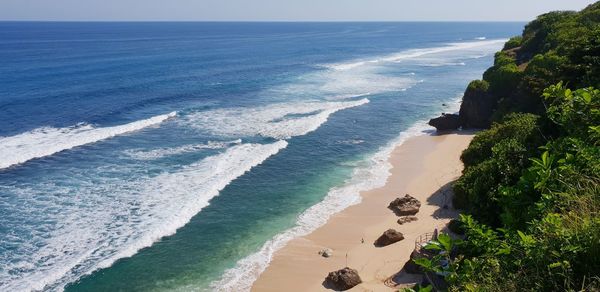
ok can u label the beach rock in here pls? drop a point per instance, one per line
(343, 279)
(406, 219)
(327, 252)
(411, 267)
(446, 122)
(388, 237)
(477, 106)
(405, 206)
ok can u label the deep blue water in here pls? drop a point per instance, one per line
(158, 156)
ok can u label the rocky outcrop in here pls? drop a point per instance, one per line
(405, 206)
(327, 252)
(476, 109)
(411, 267)
(406, 219)
(343, 279)
(477, 106)
(388, 237)
(446, 122)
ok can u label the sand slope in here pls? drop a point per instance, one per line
(423, 167)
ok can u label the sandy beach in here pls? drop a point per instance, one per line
(424, 167)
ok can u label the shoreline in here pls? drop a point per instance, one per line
(422, 166)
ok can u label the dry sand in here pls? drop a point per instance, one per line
(424, 167)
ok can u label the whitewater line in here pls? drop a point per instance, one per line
(47, 141)
(172, 199)
(415, 53)
(141, 154)
(374, 175)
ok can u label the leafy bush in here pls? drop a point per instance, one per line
(513, 42)
(503, 58)
(524, 128)
(577, 112)
(536, 32)
(478, 85)
(534, 222)
(531, 184)
(503, 79)
(456, 226)
(542, 71)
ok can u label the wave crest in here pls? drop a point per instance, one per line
(113, 220)
(46, 141)
(279, 121)
(415, 53)
(164, 152)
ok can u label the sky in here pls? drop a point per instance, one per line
(282, 10)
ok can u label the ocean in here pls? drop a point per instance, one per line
(180, 156)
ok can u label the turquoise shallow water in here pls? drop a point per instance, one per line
(173, 156)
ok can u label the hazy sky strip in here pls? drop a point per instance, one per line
(283, 10)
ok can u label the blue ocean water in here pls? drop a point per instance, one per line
(180, 156)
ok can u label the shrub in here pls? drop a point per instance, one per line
(542, 71)
(575, 111)
(531, 183)
(503, 79)
(478, 85)
(523, 128)
(513, 42)
(503, 58)
(456, 226)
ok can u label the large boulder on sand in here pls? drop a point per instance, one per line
(388, 237)
(445, 122)
(477, 106)
(405, 206)
(343, 279)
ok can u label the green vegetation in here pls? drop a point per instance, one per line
(530, 189)
(513, 43)
(496, 158)
(557, 46)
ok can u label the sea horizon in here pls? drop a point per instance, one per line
(273, 21)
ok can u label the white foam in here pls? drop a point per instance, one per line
(372, 175)
(480, 38)
(85, 229)
(338, 84)
(164, 152)
(351, 141)
(280, 121)
(454, 104)
(443, 64)
(415, 53)
(47, 140)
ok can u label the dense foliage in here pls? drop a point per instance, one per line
(534, 221)
(530, 189)
(557, 46)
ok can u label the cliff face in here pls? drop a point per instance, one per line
(475, 111)
(477, 106)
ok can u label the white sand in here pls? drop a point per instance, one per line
(423, 167)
